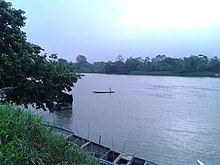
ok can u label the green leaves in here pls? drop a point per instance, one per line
(32, 78)
(24, 139)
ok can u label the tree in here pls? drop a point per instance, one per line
(195, 63)
(82, 65)
(120, 58)
(214, 65)
(63, 60)
(81, 60)
(26, 77)
(202, 63)
(134, 64)
(109, 67)
(98, 67)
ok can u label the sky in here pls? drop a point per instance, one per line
(103, 29)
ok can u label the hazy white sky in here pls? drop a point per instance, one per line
(104, 29)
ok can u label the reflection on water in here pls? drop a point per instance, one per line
(64, 117)
(61, 117)
(169, 120)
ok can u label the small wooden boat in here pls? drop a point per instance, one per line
(103, 154)
(99, 92)
(106, 155)
(103, 91)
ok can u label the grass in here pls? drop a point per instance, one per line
(25, 140)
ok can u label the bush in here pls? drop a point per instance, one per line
(24, 139)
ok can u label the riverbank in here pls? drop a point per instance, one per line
(185, 74)
(25, 140)
(164, 73)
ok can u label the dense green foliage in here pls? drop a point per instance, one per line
(160, 65)
(26, 76)
(25, 140)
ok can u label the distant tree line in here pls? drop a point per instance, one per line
(195, 65)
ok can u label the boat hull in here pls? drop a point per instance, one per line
(100, 92)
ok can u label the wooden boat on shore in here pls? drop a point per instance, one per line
(104, 155)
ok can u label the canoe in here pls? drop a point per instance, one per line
(103, 91)
(105, 155)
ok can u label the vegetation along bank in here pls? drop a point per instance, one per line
(24, 139)
(195, 65)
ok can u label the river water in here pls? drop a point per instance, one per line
(168, 120)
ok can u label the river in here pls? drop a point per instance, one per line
(168, 120)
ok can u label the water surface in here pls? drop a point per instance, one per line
(168, 120)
